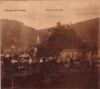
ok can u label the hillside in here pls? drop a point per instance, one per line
(17, 34)
(88, 31)
(59, 38)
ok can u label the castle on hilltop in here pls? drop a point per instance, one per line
(66, 26)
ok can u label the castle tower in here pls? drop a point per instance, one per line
(49, 32)
(71, 26)
(59, 23)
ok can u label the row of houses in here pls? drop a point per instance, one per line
(76, 53)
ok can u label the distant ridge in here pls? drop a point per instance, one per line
(16, 33)
(88, 31)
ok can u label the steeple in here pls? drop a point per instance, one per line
(38, 38)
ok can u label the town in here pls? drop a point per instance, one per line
(49, 60)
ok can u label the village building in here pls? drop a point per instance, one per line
(72, 53)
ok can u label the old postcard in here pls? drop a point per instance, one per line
(49, 44)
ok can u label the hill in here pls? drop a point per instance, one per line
(59, 38)
(88, 31)
(17, 34)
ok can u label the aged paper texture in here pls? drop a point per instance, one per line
(49, 44)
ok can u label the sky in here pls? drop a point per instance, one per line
(41, 14)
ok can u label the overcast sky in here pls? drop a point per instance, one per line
(40, 14)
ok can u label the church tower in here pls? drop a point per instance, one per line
(37, 43)
(38, 38)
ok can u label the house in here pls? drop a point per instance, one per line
(72, 53)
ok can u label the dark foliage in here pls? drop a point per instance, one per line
(61, 38)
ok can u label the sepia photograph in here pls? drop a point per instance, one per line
(49, 44)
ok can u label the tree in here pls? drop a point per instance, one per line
(42, 51)
(62, 37)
